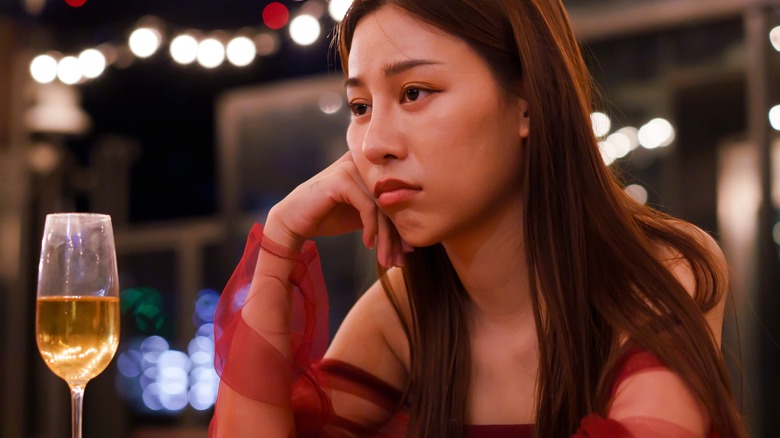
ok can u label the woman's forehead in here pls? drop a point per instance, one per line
(391, 34)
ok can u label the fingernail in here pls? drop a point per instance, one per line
(405, 247)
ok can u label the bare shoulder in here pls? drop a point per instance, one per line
(681, 269)
(371, 337)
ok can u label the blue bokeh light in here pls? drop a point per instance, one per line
(156, 378)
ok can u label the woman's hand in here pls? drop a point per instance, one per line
(335, 201)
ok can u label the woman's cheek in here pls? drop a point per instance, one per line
(354, 140)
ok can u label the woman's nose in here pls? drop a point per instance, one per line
(383, 140)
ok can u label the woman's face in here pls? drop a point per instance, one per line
(435, 140)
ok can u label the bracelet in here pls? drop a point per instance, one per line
(264, 246)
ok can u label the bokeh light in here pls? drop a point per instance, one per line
(637, 192)
(156, 378)
(656, 133)
(145, 307)
(608, 153)
(43, 69)
(774, 117)
(184, 49)
(338, 8)
(621, 144)
(69, 70)
(205, 306)
(774, 37)
(330, 102)
(93, 63)
(144, 42)
(211, 53)
(241, 51)
(601, 124)
(304, 29)
(632, 134)
(75, 3)
(275, 15)
(266, 43)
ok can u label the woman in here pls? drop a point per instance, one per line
(521, 291)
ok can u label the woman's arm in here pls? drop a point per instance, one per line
(263, 359)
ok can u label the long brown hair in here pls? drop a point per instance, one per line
(592, 251)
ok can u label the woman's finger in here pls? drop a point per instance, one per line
(384, 246)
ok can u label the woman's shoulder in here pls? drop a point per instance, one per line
(675, 260)
(680, 267)
(669, 253)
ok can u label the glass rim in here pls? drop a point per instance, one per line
(73, 214)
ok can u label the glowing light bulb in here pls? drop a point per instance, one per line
(774, 117)
(184, 49)
(211, 53)
(144, 41)
(304, 29)
(241, 51)
(92, 62)
(774, 37)
(275, 15)
(43, 69)
(69, 70)
(338, 8)
(656, 133)
(601, 124)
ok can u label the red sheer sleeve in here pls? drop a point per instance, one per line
(246, 361)
(258, 378)
(648, 400)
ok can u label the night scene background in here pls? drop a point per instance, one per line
(185, 158)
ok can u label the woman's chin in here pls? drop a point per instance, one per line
(417, 238)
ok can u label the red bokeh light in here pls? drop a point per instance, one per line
(275, 15)
(75, 3)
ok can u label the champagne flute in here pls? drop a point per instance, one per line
(77, 308)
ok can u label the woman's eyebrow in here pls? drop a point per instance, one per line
(393, 68)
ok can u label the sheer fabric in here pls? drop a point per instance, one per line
(329, 398)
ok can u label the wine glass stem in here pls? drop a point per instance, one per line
(76, 399)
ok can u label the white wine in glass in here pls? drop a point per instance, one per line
(77, 309)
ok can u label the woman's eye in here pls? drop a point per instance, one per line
(412, 94)
(359, 109)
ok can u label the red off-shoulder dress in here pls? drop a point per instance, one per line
(306, 384)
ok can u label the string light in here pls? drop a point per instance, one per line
(241, 50)
(144, 41)
(774, 37)
(304, 29)
(69, 70)
(774, 117)
(601, 124)
(338, 8)
(211, 53)
(656, 133)
(92, 63)
(184, 49)
(275, 15)
(43, 69)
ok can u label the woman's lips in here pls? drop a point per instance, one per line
(390, 192)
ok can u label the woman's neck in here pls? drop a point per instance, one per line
(490, 261)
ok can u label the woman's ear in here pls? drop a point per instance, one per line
(525, 122)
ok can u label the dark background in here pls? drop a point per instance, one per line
(166, 107)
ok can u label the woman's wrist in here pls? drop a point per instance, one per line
(278, 240)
